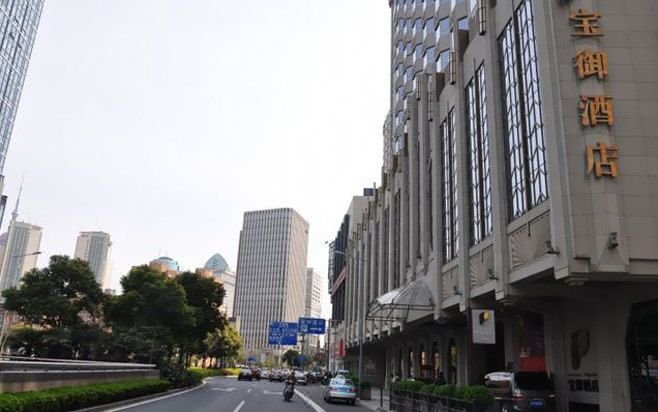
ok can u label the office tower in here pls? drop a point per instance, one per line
(94, 248)
(313, 308)
(220, 269)
(271, 273)
(21, 250)
(165, 265)
(19, 20)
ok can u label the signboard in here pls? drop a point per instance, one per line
(312, 326)
(251, 359)
(282, 333)
(484, 326)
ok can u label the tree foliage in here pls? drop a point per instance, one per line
(290, 357)
(224, 343)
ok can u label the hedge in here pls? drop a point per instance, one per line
(206, 373)
(479, 394)
(78, 397)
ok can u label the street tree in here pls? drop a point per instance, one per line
(60, 307)
(290, 357)
(152, 308)
(224, 344)
(204, 296)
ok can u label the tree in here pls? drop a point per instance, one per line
(290, 357)
(152, 308)
(225, 343)
(60, 306)
(204, 296)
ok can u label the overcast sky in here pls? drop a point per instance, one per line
(162, 121)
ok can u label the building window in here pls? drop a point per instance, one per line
(527, 174)
(443, 60)
(478, 158)
(444, 26)
(449, 189)
(462, 24)
(428, 57)
(429, 27)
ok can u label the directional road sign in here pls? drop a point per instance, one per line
(312, 326)
(282, 333)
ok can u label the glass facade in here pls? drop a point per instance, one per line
(19, 20)
(478, 157)
(449, 188)
(527, 174)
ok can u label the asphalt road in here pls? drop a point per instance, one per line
(229, 395)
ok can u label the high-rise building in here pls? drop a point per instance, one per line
(94, 248)
(313, 307)
(166, 265)
(19, 20)
(516, 226)
(20, 251)
(220, 269)
(271, 273)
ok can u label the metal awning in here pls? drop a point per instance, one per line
(398, 303)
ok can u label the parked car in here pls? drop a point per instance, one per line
(255, 373)
(301, 378)
(340, 389)
(313, 377)
(265, 374)
(245, 374)
(521, 391)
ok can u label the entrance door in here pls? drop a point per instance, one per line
(642, 350)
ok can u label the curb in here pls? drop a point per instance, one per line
(126, 402)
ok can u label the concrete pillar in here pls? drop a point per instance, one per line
(413, 153)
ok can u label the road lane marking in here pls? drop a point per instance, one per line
(224, 389)
(310, 402)
(239, 407)
(266, 392)
(134, 405)
(249, 390)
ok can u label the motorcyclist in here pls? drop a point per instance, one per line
(291, 379)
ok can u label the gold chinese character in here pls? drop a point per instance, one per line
(589, 63)
(595, 110)
(605, 164)
(586, 23)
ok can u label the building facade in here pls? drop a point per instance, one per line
(19, 20)
(313, 305)
(94, 248)
(166, 265)
(271, 273)
(20, 253)
(521, 180)
(220, 269)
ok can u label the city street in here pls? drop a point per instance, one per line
(225, 394)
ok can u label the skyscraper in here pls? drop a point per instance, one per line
(271, 273)
(313, 307)
(19, 20)
(217, 264)
(94, 248)
(21, 250)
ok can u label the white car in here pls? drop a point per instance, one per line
(301, 378)
(340, 389)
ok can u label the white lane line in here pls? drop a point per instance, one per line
(239, 407)
(249, 390)
(134, 405)
(310, 402)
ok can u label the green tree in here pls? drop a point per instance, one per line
(204, 296)
(152, 309)
(224, 344)
(290, 357)
(60, 306)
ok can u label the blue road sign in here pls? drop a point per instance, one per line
(311, 326)
(251, 359)
(282, 333)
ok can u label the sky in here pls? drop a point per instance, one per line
(161, 122)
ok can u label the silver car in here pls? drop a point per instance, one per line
(340, 389)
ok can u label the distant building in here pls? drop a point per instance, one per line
(313, 294)
(220, 269)
(271, 274)
(165, 265)
(94, 248)
(19, 20)
(21, 250)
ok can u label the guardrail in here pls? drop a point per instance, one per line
(21, 363)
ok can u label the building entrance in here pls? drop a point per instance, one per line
(642, 350)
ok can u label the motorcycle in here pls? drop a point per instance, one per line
(288, 391)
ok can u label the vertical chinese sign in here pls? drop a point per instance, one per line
(594, 110)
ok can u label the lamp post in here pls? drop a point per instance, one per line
(5, 317)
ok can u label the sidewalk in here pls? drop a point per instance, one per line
(374, 403)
